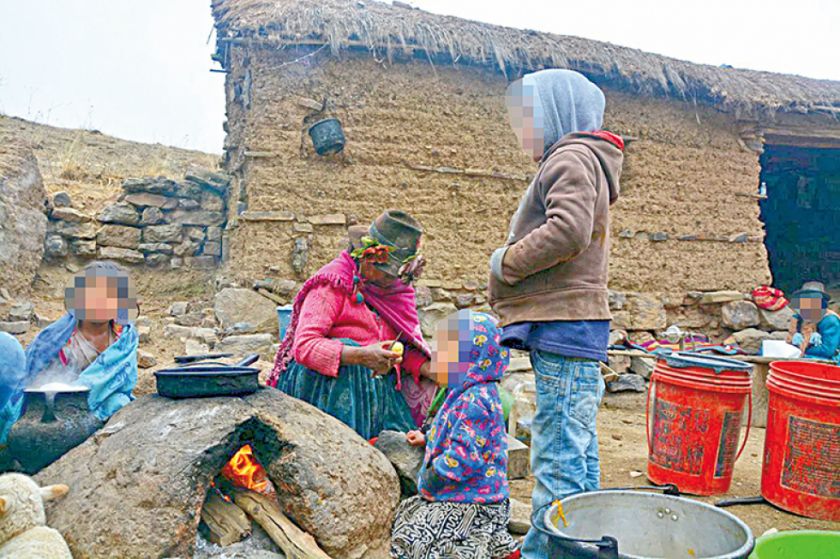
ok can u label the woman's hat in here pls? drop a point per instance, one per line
(394, 229)
(812, 289)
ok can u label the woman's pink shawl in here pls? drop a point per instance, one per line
(396, 305)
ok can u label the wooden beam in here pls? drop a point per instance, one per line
(227, 522)
(294, 542)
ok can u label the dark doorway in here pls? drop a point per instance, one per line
(802, 214)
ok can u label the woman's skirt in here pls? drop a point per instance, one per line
(442, 530)
(368, 404)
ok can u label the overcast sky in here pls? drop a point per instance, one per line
(139, 69)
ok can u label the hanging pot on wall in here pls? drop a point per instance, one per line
(327, 136)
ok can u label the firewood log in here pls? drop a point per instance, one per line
(227, 522)
(294, 542)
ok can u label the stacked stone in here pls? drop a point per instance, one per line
(157, 222)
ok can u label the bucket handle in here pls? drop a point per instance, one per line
(607, 545)
(648, 419)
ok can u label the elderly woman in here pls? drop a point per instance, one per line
(814, 329)
(92, 345)
(349, 325)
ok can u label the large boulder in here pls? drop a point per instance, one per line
(234, 305)
(776, 320)
(23, 219)
(434, 313)
(406, 459)
(739, 315)
(137, 485)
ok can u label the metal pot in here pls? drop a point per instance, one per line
(51, 424)
(203, 379)
(327, 136)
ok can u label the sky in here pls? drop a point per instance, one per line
(139, 69)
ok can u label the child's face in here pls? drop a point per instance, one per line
(810, 308)
(524, 119)
(450, 359)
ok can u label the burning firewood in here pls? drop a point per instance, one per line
(294, 542)
(227, 522)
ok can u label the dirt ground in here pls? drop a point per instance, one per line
(621, 428)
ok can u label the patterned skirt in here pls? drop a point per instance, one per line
(445, 530)
(368, 405)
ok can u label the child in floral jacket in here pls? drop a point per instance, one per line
(463, 507)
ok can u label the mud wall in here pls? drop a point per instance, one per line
(435, 141)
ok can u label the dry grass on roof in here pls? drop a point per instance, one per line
(386, 29)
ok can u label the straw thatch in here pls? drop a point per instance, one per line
(386, 29)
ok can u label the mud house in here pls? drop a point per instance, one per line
(420, 99)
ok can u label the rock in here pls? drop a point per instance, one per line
(86, 249)
(233, 305)
(778, 320)
(144, 333)
(212, 203)
(189, 205)
(300, 256)
(617, 300)
(519, 459)
(176, 262)
(406, 459)
(267, 216)
(641, 312)
(464, 300)
(328, 219)
(213, 248)
(520, 517)
(154, 185)
(86, 231)
(195, 347)
(15, 327)
(55, 246)
(240, 328)
(120, 213)
(148, 200)
(195, 233)
(186, 248)
(62, 200)
(739, 315)
(206, 335)
(156, 458)
(122, 254)
(659, 237)
(431, 315)
(205, 218)
(22, 311)
(214, 233)
(179, 308)
(303, 228)
(145, 360)
(156, 259)
(151, 216)
(201, 262)
(627, 383)
(190, 319)
(23, 222)
(118, 236)
(636, 474)
(422, 296)
(619, 363)
(617, 336)
(69, 214)
(161, 248)
(714, 297)
(247, 343)
(750, 339)
(642, 366)
(216, 182)
(162, 234)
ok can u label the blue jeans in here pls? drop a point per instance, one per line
(564, 442)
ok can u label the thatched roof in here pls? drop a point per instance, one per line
(386, 29)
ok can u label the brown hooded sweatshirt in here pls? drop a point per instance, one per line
(554, 266)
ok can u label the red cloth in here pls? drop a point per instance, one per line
(769, 298)
(614, 139)
(515, 555)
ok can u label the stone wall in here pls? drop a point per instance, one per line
(156, 222)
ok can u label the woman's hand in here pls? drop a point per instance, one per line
(415, 438)
(377, 357)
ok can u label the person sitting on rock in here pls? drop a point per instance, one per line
(463, 506)
(814, 329)
(347, 329)
(93, 345)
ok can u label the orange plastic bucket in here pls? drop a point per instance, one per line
(801, 471)
(694, 413)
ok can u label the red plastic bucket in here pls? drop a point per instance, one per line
(801, 471)
(694, 414)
